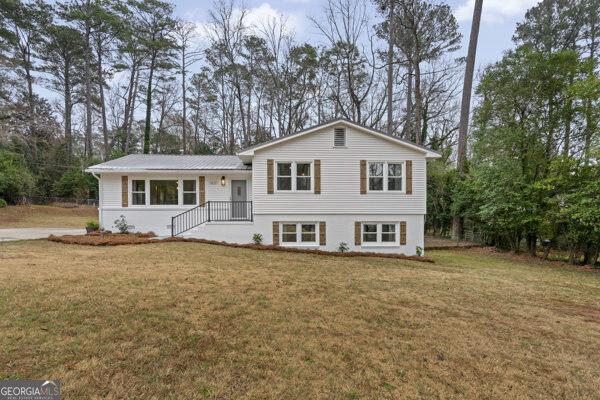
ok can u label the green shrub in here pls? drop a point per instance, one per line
(257, 238)
(76, 183)
(15, 179)
(92, 224)
(343, 247)
(121, 224)
(2, 203)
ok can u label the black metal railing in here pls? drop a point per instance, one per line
(218, 211)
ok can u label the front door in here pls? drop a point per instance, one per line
(239, 207)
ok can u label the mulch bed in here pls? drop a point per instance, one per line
(118, 239)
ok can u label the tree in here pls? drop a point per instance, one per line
(463, 126)
(62, 53)
(15, 178)
(425, 32)
(184, 34)
(154, 25)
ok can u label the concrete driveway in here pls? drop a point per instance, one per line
(36, 233)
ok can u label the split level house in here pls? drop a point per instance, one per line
(334, 183)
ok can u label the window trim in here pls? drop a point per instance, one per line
(385, 176)
(299, 242)
(147, 180)
(184, 192)
(294, 176)
(132, 192)
(379, 242)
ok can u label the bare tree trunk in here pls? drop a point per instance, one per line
(88, 91)
(132, 111)
(184, 102)
(466, 106)
(390, 70)
(408, 126)
(102, 102)
(68, 111)
(148, 121)
(418, 103)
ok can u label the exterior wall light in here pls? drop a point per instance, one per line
(222, 181)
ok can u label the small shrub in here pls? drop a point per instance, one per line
(343, 247)
(257, 238)
(2, 203)
(92, 224)
(121, 224)
(419, 251)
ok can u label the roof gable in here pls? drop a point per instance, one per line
(247, 153)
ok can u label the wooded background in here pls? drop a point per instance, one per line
(88, 80)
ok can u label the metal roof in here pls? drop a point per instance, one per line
(171, 162)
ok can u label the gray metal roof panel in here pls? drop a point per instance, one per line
(172, 162)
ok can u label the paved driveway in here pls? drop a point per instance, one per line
(36, 233)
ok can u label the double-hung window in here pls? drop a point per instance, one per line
(299, 233)
(294, 176)
(189, 192)
(138, 192)
(386, 176)
(376, 233)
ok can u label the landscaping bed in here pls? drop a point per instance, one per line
(118, 239)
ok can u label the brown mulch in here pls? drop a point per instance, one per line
(118, 239)
(105, 239)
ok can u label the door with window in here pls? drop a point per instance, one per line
(239, 207)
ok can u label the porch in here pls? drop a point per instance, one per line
(212, 211)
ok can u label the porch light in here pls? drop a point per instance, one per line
(222, 181)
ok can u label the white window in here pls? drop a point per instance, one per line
(164, 192)
(386, 176)
(299, 233)
(189, 192)
(294, 176)
(170, 193)
(339, 137)
(379, 234)
(138, 192)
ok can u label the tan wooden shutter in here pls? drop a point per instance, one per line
(276, 233)
(269, 176)
(202, 190)
(409, 177)
(322, 233)
(124, 191)
(317, 176)
(357, 238)
(402, 232)
(363, 176)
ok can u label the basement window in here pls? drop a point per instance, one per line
(339, 137)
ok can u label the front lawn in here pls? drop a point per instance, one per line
(193, 321)
(46, 216)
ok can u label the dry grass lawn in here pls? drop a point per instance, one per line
(46, 216)
(194, 321)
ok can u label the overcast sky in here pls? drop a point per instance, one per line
(497, 27)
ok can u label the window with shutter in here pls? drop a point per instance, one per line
(339, 137)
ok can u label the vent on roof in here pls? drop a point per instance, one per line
(339, 137)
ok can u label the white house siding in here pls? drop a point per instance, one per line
(158, 218)
(340, 176)
(339, 228)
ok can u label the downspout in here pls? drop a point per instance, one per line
(99, 198)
